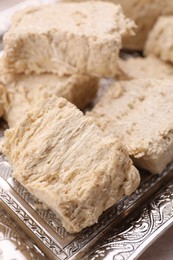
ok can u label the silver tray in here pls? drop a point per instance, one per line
(29, 231)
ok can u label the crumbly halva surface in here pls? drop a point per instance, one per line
(139, 113)
(160, 40)
(149, 67)
(145, 13)
(67, 38)
(62, 158)
(23, 91)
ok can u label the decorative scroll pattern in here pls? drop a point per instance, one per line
(40, 233)
(134, 235)
(23, 245)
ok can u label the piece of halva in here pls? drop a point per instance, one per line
(160, 39)
(67, 38)
(149, 67)
(140, 113)
(23, 91)
(144, 13)
(62, 158)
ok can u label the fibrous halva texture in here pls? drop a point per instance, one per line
(150, 67)
(62, 158)
(23, 91)
(160, 40)
(140, 113)
(67, 38)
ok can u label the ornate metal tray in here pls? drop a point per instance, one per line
(29, 231)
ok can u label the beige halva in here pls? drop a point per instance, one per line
(62, 158)
(21, 92)
(78, 41)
